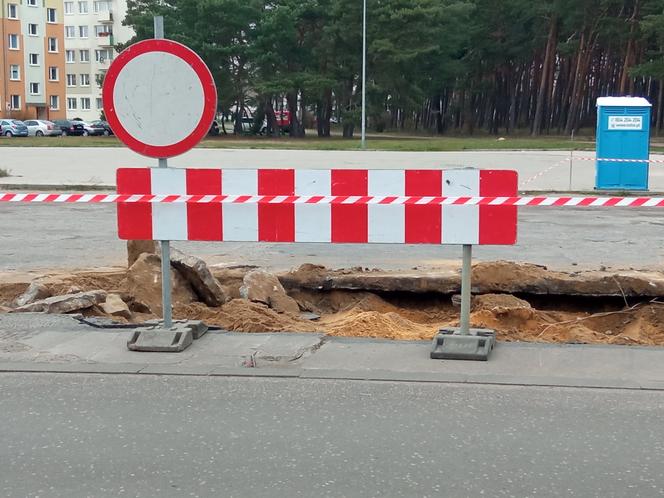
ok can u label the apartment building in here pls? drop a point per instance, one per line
(92, 28)
(32, 59)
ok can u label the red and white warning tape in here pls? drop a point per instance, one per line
(579, 158)
(339, 199)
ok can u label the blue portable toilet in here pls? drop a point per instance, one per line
(623, 132)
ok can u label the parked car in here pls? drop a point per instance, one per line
(101, 128)
(41, 128)
(70, 127)
(13, 128)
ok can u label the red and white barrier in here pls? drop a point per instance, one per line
(338, 206)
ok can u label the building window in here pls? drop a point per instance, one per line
(32, 29)
(12, 11)
(101, 6)
(33, 59)
(51, 16)
(103, 55)
(83, 31)
(103, 30)
(70, 56)
(85, 103)
(85, 79)
(34, 89)
(71, 103)
(32, 3)
(70, 31)
(69, 7)
(83, 7)
(15, 72)
(100, 104)
(54, 102)
(15, 102)
(71, 80)
(85, 55)
(53, 45)
(53, 73)
(13, 42)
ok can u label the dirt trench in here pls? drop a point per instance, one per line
(520, 302)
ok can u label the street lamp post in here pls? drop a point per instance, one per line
(364, 75)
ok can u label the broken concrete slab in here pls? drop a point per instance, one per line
(137, 247)
(65, 304)
(487, 278)
(36, 292)
(143, 282)
(260, 286)
(282, 303)
(197, 273)
(115, 306)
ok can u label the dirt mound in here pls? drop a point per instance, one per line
(499, 301)
(391, 325)
(240, 315)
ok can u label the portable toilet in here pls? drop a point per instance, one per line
(623, 132)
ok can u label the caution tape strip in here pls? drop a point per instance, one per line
(578, 158)
(346, 200)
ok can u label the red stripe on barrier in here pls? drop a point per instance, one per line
(204, 221)
(498, 224)
(134, 220)
(276, 222)
(349, 222)
(423, 221)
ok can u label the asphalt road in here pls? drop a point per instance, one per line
(84, 236)
(538, 170)
(92, 435)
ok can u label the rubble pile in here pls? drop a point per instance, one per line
(521, 302)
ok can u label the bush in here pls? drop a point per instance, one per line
(4, 173)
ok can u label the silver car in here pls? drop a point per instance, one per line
(42, 128)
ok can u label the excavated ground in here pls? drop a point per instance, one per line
(521, 302)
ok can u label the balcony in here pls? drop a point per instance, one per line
(105, 17)
(106, 40)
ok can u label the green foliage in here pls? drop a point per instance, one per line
(432, 64)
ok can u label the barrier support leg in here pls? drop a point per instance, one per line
(166, 284)
(464, 343)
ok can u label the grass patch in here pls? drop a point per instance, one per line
(4, 173)
(384, 143)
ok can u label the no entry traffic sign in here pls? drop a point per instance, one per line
(159, 98)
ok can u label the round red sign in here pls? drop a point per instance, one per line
(159, 98)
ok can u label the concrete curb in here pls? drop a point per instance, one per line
(331, 374)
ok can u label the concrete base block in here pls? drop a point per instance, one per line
(197, 327)
(160, 340)
(449, 344)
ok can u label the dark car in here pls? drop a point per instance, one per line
(101, 128)
(70, 127)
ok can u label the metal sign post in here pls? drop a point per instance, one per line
(464, 343)
(167, 309)
(150, 83)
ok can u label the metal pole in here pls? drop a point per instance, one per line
(158, 27)
(571, 160)
(466, 268)
(165, 244)
(364, 75)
